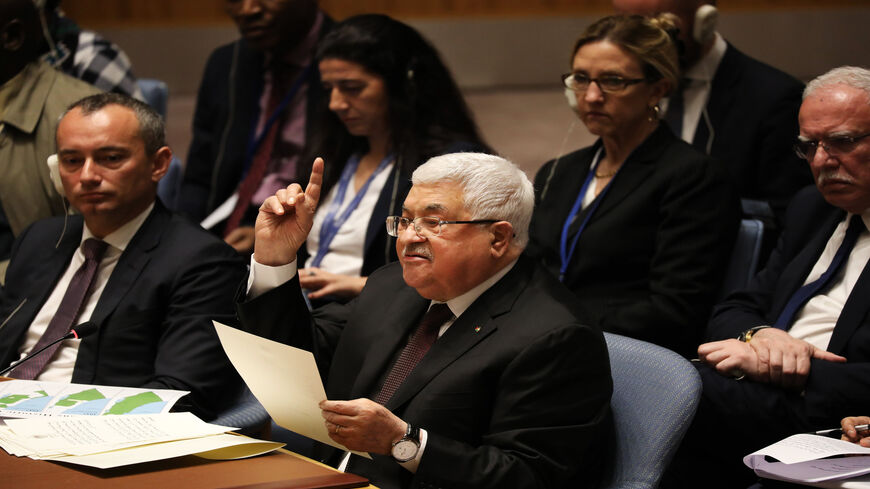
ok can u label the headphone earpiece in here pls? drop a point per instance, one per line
(571, 96)
(706, 20)
(54, 174)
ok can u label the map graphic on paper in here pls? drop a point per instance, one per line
(28, 398)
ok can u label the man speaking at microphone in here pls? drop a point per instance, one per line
(150, 281)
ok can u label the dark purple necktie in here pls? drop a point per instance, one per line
(70, 306)
(805, 293)
(415, 350)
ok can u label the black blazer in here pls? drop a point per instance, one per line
(227, 107)
(653, 255)
(753, 109)
(833, 390)
(514, 395)
(155, 312)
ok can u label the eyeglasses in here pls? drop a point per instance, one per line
(606, 83)
(425, 227)
(834, 145)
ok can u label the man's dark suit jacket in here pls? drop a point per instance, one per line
(154, 315)
(227, 108)
(753, 109)
(515, 394)
(736, 418)
(652, 257)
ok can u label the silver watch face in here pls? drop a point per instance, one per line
(405, 450)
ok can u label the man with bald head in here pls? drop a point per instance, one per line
(791, 353)
(732, 107)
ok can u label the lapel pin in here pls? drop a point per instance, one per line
(477, 329)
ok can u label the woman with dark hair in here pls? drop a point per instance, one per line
(640, 225)
(390, 105)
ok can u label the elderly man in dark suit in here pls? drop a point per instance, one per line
(792, 352)
(151, 281)
(497, 386)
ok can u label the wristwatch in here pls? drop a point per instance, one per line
(407, 447)
(747, 335)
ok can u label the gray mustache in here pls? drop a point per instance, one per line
(417, 249)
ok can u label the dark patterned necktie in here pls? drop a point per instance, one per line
(419, 343)
(70, 306)
(805, 293)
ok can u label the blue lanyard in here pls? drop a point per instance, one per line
(254, 141)
(564, 252)
(334, 221)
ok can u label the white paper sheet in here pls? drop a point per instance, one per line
(216, 447)
(222, 212)
(291, 399)
(804, 458)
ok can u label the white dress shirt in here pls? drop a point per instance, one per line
(60, 368)
(697, 91)
(814, 323)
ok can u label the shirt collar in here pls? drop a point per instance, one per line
(122, 236)
(706, 67)
(459, 304)
(23, 96)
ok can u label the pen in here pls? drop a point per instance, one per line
(837, 432)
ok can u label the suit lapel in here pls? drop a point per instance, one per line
(133, 260)
(721, 98)
(407, 307)
(853, 313)
(475, 325)
(636, 169)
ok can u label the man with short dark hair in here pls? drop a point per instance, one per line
(791, 353)
(460, 366)
(253, 113)
(151, 281)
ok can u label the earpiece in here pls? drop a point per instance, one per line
(54, 174)
(571, 96)
(706, 20)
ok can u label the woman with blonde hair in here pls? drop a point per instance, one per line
(640, 225)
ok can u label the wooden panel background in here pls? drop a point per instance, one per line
(198, 12)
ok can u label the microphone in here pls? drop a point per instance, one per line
(78, 332)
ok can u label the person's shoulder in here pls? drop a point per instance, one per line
(189, 240)
(761, 75)
(66, 89)
(567, 162)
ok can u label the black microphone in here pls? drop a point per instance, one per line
(78, 332)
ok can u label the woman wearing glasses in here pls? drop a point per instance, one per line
(640, 225)
(390, 105)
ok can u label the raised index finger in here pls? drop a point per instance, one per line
(312, 191)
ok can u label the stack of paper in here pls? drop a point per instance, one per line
(111, 441)
(813, 460)
(30, 398)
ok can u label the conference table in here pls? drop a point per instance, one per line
(277, 470)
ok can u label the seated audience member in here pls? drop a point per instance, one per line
(151, 281)
(390, 105)
(32, 97)
(732, 107)
(791, 353)
(640, 225)
(513, 392)
(254, 112)
(85, 54)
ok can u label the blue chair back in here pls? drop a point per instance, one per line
(247, 414)
(655, 395)
(156, 94)
(744, 257)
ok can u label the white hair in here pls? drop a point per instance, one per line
(492, 188)
(852, 76)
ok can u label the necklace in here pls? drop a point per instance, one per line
(605, 175)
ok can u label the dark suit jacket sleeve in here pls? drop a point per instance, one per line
(699, 218)
(189, 355)
(546, 420)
